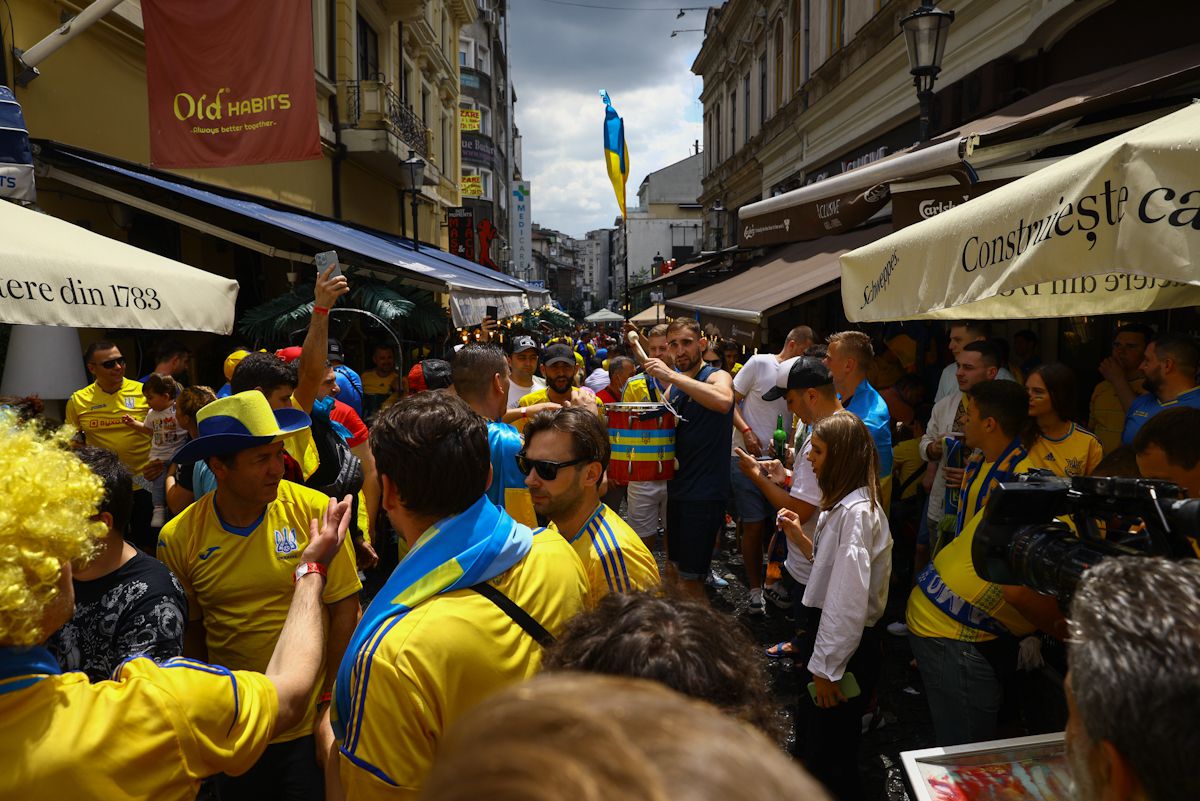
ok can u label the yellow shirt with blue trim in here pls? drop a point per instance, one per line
(1076, 454)
(240, 582)
(154, 731)
(375, 384)
(636, 390)
(542, 396)
(957, 573)
(614, 557)
(97, 414)
(444, 657)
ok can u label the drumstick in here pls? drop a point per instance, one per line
(635, 343)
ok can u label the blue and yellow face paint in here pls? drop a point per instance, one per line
(616, 154)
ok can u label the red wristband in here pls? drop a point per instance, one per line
(325, 698)
(320, 310)
(309, 567)
(746, 430)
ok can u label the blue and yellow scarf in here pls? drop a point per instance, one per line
(1002, 470)
(455, 553)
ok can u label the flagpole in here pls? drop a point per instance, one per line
(625, 237)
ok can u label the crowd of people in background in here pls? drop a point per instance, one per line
(315, 582)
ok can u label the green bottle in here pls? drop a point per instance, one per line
(779, 438)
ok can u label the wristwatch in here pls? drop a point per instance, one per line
(309, 567)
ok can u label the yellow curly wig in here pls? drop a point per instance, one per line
(47, 499)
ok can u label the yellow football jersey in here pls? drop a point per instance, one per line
(375, 384)
(239, 581)
(1076, 454)
(97, 414)
(153, 732)
(614, 557)
(541, 396)
(444, 657)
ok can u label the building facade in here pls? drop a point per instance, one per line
(556, 261)
(486, 106)
(596, 269)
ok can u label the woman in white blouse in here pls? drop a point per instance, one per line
(851, 552)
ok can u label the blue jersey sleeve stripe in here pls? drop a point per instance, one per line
(212, 670)
(357, 716)
(596, 546)
(368, 767)
(360, 661)
(620, 554)
(614, 554)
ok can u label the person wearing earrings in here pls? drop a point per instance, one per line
(1053, 441)
(851, 552)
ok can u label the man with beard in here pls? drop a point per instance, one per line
(696, 497)
(558, 362)
(1170, 369)
(566, 453)
(1131, 730)
(1123, 382)
(646, 501)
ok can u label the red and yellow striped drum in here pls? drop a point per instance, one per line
(642, 439)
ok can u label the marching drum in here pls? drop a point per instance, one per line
(642, 440)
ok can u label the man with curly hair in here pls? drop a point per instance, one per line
(176, 722)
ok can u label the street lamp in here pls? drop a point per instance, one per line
(415, 170)
(716, 221)
(656, 269)
(925, 32)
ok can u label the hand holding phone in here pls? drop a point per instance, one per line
(848, 687)
(329, 289)
(325, 260)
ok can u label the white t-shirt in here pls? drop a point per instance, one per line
(757, 376)
(804, 487)
(948, 383)
(168, 437)
(516, 391)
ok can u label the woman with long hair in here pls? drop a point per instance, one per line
(851, 552)
(1053, 440)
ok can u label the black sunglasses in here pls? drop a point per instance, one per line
(111, 363)
(546, 470)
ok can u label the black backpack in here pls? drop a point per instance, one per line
(340, 472)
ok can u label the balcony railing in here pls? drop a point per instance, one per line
(374, 104)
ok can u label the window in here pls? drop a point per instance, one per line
(799, 45)
(485, 185)
(717, 140)
(447, 133)
(837, 26)
(732, 122)
(425, 104)
(368, 51)
(745, 108)
(405, 77)
(779, 63)
(483, 61)
(320, 18)
(485, 121)
(465, 58)
(762, 90)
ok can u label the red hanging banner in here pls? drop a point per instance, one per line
(230, 82)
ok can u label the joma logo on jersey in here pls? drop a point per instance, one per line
(285, 541)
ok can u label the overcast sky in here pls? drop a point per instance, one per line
(562, 56)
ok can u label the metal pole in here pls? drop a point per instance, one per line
(63, 34)
(416, 237)
(925, 100)
(625, 236)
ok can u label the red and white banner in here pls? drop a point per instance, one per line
(230, 82)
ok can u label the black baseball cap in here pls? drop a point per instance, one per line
(524, 343)
(335, 351)
(558, 353)
(802, 372)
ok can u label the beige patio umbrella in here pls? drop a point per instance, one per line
(55, 273)
(651, 316)
(1113, 229)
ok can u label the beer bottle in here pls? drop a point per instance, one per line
(779, 438)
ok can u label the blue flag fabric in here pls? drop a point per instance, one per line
(616, 154)
(455, 553)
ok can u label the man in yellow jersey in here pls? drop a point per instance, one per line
(964, 630)
(558, 362)
(481, 378)
(464, 611)
(1123, 382)
(566, 454)
(96, 412)
(646, 501)
(382, 382)
(234, 551)
(154, 731)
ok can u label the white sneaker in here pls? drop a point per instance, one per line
(897, 629)
(758, 606)
(778, 596)
(159, 518)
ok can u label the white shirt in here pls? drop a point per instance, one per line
(757, 376)
(941, 424)
(804, 487)
(852, 562)
(516, 391)
(596, 380)
(949, 381)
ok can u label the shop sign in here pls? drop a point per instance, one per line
(461, 224)
(520, 221)
(917, 205)
(799, 223)
(472, 186)
(469, 119)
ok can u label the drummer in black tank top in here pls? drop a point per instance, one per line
(696, 497)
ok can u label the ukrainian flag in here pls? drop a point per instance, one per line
(616, 155)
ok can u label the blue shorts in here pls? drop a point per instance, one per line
(692, 529)
(752, 505)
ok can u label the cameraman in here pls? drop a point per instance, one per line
(1134, 661)
(1168, 448)
(965, 629)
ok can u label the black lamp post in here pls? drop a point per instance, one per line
(925, 32)
(415, 168)
(716, 221)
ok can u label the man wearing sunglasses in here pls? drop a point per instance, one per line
(96, 412)
(565, 456)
